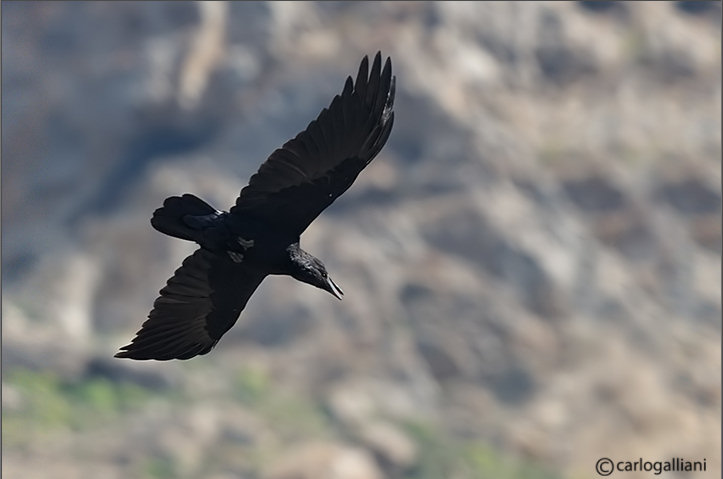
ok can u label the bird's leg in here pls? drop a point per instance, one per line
(235, 257)
(245, 244)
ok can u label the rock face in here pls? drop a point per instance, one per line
(325, 461)
(532, 264)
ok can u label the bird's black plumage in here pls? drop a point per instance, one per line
(260, 234)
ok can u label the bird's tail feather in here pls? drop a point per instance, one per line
(169, 219)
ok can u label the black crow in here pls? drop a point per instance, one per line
(260, 234)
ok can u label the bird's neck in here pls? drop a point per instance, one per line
(297, 255)
(298, 262)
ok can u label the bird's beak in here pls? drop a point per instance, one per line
(333, 288)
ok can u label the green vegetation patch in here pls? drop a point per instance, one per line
(443, 456)
(49, 402)
(287, 412)
(160, 468)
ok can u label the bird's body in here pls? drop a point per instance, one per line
(244, 240)
(259, 236)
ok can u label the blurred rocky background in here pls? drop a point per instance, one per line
(532, 264)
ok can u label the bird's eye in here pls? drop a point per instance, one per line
(323, 274)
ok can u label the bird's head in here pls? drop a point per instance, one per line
(312, 271)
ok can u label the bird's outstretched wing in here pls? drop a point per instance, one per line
(310, 171)
(197, 306)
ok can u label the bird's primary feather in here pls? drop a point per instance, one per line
(303, 177)
(200, 302)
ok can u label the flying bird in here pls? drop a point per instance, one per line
(259, 235)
